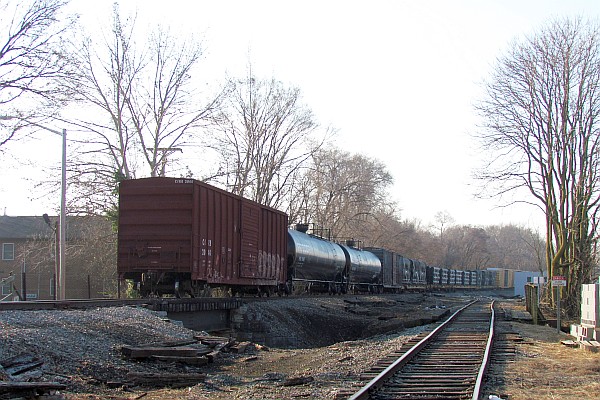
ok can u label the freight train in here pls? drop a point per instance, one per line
(184, 237)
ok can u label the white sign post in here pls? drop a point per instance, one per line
(539, 281)
(558, 281)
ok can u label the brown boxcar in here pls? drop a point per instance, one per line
(183, 235)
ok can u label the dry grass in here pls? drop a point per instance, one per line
(546, 369)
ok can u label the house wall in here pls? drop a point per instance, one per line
(32, 266)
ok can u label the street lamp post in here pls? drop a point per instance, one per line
(63, 219)
(63, 198)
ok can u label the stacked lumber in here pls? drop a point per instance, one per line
(200, 350)
(589, 345)
(569, 343)
(197, 351)
(181, 354)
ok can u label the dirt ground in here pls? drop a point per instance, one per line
(544, 368)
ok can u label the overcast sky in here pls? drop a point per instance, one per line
(397, 79)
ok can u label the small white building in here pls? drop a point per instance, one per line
(522, 278)
(590, 314)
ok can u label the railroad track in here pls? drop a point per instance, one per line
(159, 304)
(164, 304)
(33, 305)
(446, 363)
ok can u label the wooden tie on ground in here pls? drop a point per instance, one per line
(29, 389)
(11, 367)
(204, 350)
(176, 351)
(180, 351)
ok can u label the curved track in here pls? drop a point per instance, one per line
(447, 363)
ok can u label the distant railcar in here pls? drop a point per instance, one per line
(407, 267)
(445, 276)
(434, 276)
(364, 269)
(502, 277)
(399, 272)
(316, 264)
(392, 268)
(452, 277)
(419, 273)
(474, 278)
(460, 277)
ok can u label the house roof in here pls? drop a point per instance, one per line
(23, 227)
(30, 227)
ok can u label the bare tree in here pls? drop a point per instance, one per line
(167, 113)
(33, 61)
(148, 107)
(92, 254)
(109, 73)
(443, 218)
(347, 194)
(541, 120)
(265, 137)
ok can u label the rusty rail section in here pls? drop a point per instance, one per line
(447, 363)
(193, 305)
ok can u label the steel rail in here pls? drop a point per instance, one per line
(486, 356)
(379, 380)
